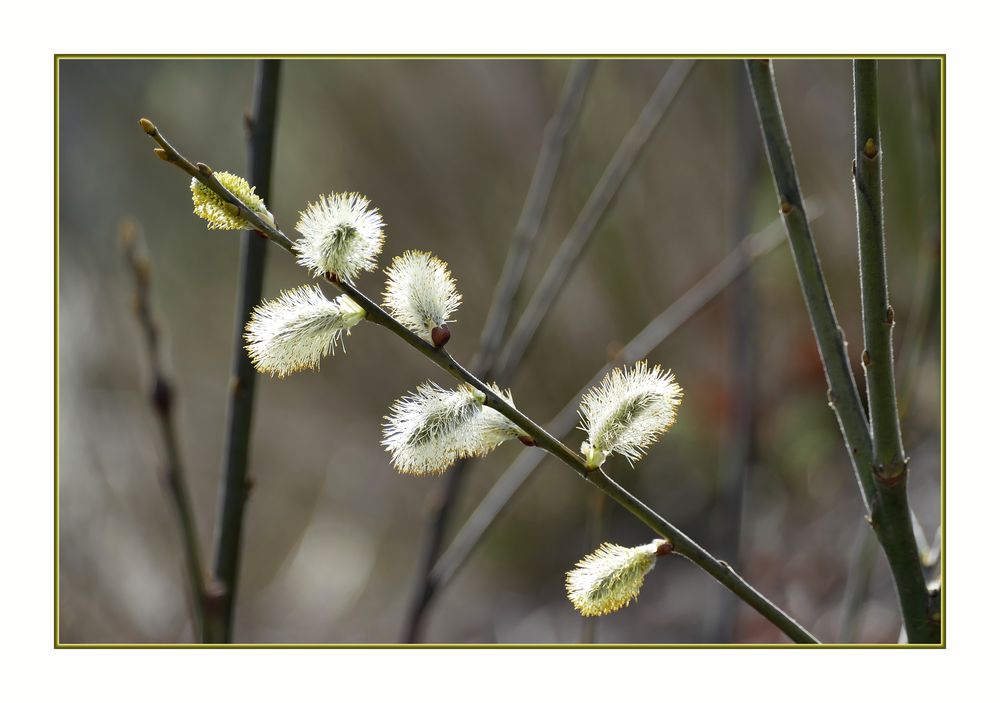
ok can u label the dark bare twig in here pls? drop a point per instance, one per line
(522, 242)
(162, 400)
(235, 485)
(740, 439)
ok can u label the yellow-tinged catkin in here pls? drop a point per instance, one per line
(610, 578)
(219, 214)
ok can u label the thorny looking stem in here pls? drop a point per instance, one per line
(235, 482)
(885, 501)
(497, 320)
(682, 544)
(162, 399)
(590, 217)
(891, 513)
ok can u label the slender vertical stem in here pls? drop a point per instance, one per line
(162, 400)
(892, 516)
(550, 157)
(843, 394)
(236, 483)
(597, 205)
(877, 314)
(885, 498)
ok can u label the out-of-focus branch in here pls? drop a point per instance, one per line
(235, 482)
(740, 434)
(580, 234)
(162, 400)
(553, 147)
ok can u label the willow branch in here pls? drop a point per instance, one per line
(877, 314)
(842, 393)
(892, 519)
(582, 231)
(162, 400)
(235, 483)
(554, 141)
(440, 357)
(650, 337)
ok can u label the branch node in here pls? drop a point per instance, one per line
(205, 169)
(866, 358)
(163, 395)
(890, 315)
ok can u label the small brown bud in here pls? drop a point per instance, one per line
(163, 155)
(526, 440)
(440, 335)
(871, 150)
(890, 315)
(866, 358)
(205, 169)
(147, 126)
(665, 547)
(786, 207)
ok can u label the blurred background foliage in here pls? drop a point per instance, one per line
(446, 149)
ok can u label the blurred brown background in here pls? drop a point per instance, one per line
(446, 149)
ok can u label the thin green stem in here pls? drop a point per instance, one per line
(894, 524)
(877, 314)
(683, 545)
(235, 482)
(884, 496)
(843, 393)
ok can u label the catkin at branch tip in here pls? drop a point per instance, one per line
(219, 214)
(610, 577)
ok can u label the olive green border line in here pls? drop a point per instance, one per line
(941, 58)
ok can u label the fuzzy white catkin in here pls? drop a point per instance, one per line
(610, 578)
(627, 412)
(431, 428)
(297, 329)
(341, 235)
(420, 292)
